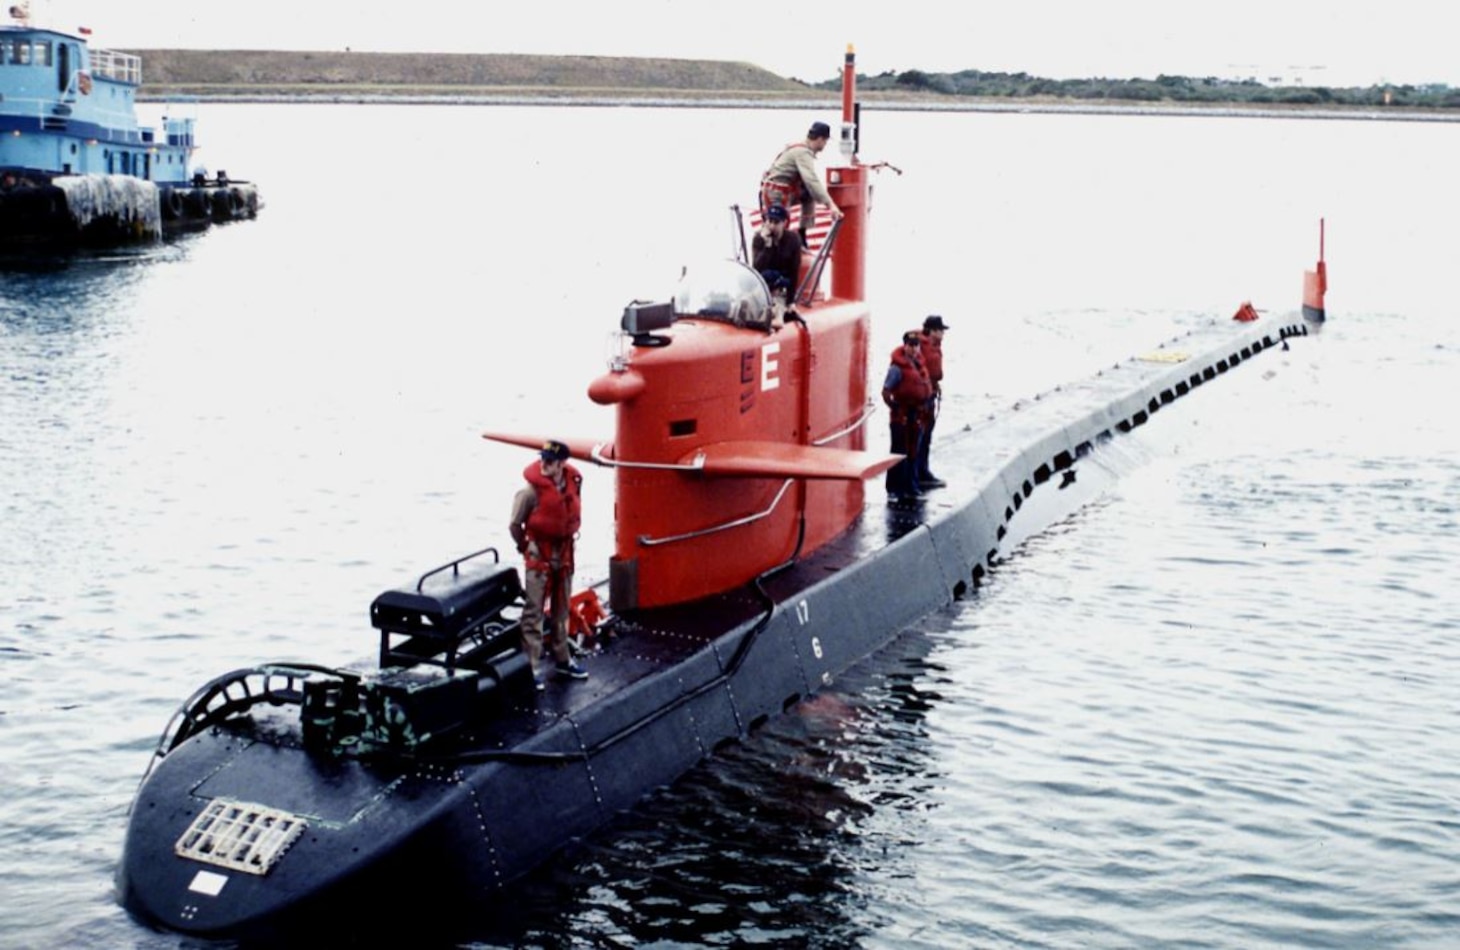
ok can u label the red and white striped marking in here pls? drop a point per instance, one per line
(815, 235)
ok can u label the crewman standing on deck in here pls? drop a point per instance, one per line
(931, 348)
(906, 391)
(793, 177)
(546, 516)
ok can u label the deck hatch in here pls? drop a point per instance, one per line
(240, 836)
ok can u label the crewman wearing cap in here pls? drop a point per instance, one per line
(775, 252)
(931, 348)
(545, 518)
(793, 178)
(906, 391)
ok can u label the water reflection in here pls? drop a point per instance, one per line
(770, 843)
(72, 267)
(72, 297)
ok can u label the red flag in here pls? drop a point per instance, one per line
(84, 30)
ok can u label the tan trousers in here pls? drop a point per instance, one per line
(533, 613)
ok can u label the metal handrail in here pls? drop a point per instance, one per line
(649, 542)
(456, 565)
(695, 466)
(858, 423)
(232, 693)
(114, 122)
(42, 106)
(818, 266)
(123, 67)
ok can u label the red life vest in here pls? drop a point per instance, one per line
(932, 353)
(783, 193)
(914, 388)
(555, 518)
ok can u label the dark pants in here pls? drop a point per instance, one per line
(930, 419)
(902, 478)
(775, 280)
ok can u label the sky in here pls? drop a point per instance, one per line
(1294, 41)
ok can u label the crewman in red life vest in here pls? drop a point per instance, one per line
(545, 519)
(906, 391)
(931, 348)
(793, 177)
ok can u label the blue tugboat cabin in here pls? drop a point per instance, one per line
(77, 169)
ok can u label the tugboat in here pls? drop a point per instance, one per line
(750, 568)
(77, 171)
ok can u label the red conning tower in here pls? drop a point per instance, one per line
(740, 445)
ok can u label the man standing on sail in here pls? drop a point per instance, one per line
(793, 177)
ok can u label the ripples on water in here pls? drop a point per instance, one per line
(1212, 709)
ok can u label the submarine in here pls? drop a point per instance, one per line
(751, 566)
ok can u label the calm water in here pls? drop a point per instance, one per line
(1216, 708)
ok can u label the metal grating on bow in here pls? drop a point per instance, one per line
(240, 836)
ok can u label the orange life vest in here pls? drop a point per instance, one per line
(914, 387)
(932, 353)
(555, 518)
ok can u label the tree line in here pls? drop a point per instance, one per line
(1182, 89)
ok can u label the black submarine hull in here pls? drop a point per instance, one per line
(467, 816)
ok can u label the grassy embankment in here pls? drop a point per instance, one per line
(344, 75)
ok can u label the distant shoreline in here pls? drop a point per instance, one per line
(503, 79)
(642, 99)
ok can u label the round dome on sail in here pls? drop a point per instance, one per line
(727, 291)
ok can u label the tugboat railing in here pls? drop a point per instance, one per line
(122, 67)
(53, 109)
(27, 107)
